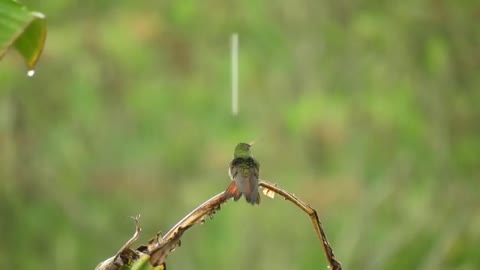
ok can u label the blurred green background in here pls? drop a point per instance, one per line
(367, 110)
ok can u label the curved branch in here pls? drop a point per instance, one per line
(329, 255)
(159, 248)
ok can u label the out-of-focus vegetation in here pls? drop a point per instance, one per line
(369, 111)
(22, 29)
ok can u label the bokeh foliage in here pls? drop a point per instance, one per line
(367, 110)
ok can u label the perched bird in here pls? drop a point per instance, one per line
(244, 172)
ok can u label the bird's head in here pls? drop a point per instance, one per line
(242, 150)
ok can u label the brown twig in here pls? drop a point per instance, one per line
(330, 256)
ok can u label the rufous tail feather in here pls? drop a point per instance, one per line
(232, 192)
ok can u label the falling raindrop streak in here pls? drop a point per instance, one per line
(234, 54)
(30, 73)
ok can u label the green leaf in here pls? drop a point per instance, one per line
(23, 29)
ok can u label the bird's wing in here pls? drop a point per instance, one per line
(252, 194)
(232, 171)
(256, 168)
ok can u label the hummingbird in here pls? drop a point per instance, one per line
(244, 173)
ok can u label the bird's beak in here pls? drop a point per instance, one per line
(251, 143)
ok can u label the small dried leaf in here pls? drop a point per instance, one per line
(268, 192)
(125, 254)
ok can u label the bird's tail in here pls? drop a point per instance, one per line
(232, 192)
(253, 196)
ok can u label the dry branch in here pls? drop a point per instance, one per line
(327, 249)
(159, 247)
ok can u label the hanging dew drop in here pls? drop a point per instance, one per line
(30, 73)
